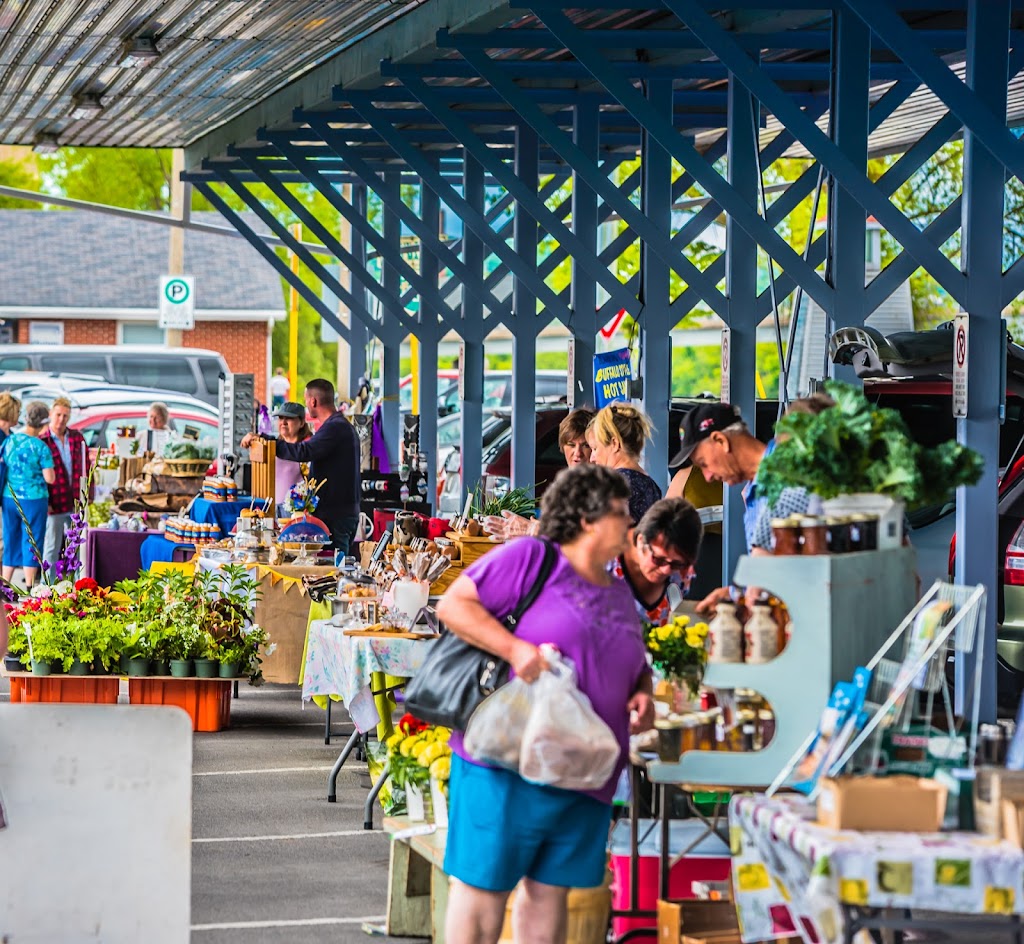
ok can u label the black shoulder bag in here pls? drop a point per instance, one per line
(457, 675)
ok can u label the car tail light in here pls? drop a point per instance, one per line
(1013, 565)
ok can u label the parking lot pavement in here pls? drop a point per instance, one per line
(272, 860)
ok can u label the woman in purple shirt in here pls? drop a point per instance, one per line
(502, 829)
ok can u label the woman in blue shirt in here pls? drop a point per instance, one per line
(29, 471)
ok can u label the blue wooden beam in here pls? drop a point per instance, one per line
(687, 155)
(978, 559)
(845, 171)
(525, 197)
(585, 169)
(972, 109)
(852, 57)
(471, 216)
(526, 327)
(268, 253)
(585, 223)
(429, 239)
(429, 335)
(330, 241)
(472, 365)
(360, 334)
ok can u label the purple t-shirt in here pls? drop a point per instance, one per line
(596, 627)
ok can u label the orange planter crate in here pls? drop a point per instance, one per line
(207, 701)
(73, 689)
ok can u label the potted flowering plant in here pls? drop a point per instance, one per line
(419, 756)
(678, 650)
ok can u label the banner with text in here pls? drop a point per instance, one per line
(611, 377)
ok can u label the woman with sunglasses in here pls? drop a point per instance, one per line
(661, 552)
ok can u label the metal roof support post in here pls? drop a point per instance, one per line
(655, 316)
(391, 367)
(429, 335)
(741, 287)
(360, 333)
(851, 51)
(472, 366)
(583, 291)
(525, 326)
(977, 551)
(268, 253)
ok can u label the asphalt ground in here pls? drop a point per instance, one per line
(272, 861)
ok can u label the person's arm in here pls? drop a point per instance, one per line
(46, 464)
(678, 484)
(49, 476)
(642, 702)
(462, 612)
(323, 445)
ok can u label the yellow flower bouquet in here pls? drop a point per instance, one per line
(678, 649)
(417, 752)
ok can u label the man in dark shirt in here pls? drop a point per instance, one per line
(333, 457)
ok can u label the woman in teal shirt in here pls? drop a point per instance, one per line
(29, 472)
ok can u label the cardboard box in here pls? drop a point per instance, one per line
(991, 786)
(882, 804)
(697, 922)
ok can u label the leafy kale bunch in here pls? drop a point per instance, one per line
(858, 447)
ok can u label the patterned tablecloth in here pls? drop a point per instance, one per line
(337, 664)
(790, 875)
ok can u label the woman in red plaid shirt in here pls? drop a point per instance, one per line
(71, 463)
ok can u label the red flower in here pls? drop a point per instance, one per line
(86, 583)
(411, 725)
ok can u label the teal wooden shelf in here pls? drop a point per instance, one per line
(843, 608)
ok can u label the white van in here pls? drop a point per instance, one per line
(185, 369)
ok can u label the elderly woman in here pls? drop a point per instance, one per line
(10, 409)
(291, 428)
(502, 829)
(617, 436)
(29, 471)
(661, 552)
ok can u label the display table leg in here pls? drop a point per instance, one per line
(409, 897)
(438, 903)
(372, 797)
(332, 777)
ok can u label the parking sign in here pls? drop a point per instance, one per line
(177, 301)
(960, 338)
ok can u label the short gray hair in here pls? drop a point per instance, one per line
(737, 428)
(37, 414)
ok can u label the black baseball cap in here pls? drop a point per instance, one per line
(699, 424)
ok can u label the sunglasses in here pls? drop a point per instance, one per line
(681, 565)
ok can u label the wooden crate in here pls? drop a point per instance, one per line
(446, 579)
(471, 549)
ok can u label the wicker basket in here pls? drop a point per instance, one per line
(185, 468)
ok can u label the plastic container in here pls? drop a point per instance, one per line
(709, 861)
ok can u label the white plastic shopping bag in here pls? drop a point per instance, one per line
(494, 734)
(565, 744)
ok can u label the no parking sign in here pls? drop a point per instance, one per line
(960, 339)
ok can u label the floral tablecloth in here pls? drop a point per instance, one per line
(790, 875)
(337, 664)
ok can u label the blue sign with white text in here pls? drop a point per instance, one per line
(611, 377)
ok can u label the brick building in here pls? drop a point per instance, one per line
(78, 277)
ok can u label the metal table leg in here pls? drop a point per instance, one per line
(327, 723)
(372, 797)
(332, 777)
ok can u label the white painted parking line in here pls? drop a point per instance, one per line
(301, 923)
(331, 835)
(274, 770)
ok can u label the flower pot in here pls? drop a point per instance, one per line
(181, 668)
(415, 808)
(228, 670)
(79, 668)
(160, 667)
(207, 668)
(123, 663)
(138, 667)
(98, 668)
(13, 664)
(40, 668)
(56, 667)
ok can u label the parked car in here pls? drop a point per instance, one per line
(551, 385)
(912, 372)
(99, 424)
(187, 370)
(87, 394)
(15, 380)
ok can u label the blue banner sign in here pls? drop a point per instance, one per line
(611, 377)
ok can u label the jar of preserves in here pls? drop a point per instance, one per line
(838, 535)
(815, 534)
(786, 533)
(725, 634)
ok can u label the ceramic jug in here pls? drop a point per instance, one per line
(761, 635)
(725, 635)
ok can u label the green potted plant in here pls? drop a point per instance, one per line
(206, 665)
(138, 647)
(184, 642)
(46, 643)
(860, 457)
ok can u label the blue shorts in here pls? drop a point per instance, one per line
(502, 829)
